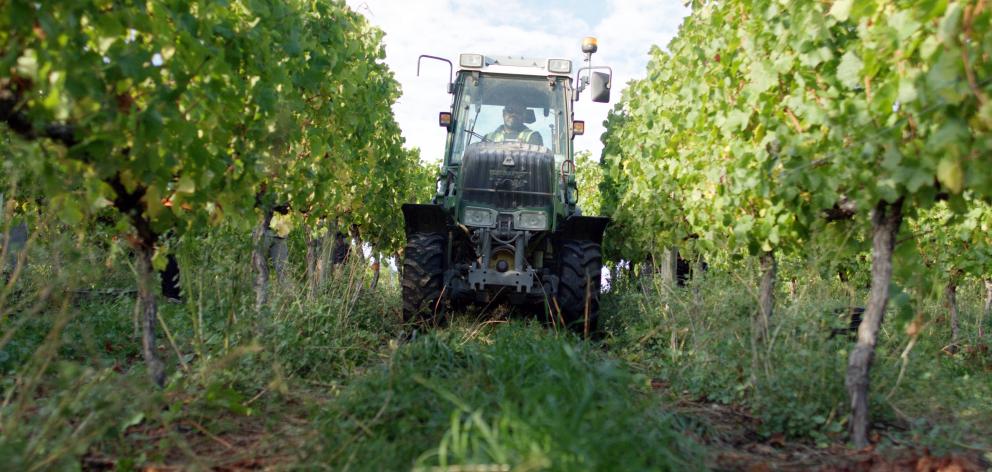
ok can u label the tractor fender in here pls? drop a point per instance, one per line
(583, 227)
(425, 218)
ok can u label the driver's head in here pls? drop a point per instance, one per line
(513, 115)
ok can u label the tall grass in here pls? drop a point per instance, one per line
(332, 382)
(697, 339)
(503, 397)
(60, 389)
(509, 395)
(73, 383)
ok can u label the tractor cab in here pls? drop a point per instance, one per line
(495, 108)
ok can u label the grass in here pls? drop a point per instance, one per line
(307, 383)
(697, 340)
(508, 395)
(335, 382)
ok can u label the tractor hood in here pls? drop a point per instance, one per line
(508, 176)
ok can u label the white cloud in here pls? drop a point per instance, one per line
(509, 27)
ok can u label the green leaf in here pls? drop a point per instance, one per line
(737, 120)
(913, 178)
(907, 90)
(904, 24)
(70, 211)
(186, 185)
(950, 174)
(849, 70)
(160, 258)
(816, 57)
(153, 202)
(132, 420)
(985, 115)
(27, 65)
(943, 77)
(841, 9)
(950, 24)
(762, 77)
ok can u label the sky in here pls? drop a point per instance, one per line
(626, 30)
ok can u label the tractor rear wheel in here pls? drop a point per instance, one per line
(423, 276)
(580, 264)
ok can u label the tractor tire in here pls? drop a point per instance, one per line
(580, 264)
(423, 276)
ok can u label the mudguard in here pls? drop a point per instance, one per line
(425, 218)
(583, 227)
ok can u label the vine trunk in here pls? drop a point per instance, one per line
(988, 308)
(886, 220)
(766, 295)
(148, 311)
(951, 303)
(259, 259)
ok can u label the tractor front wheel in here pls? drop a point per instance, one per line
(580, 264)
(423, 276)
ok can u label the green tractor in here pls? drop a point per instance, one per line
(505, 225)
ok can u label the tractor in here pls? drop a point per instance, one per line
(505, 225)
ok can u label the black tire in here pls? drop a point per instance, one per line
(423, 276)
(576, 260)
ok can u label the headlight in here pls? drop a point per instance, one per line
(470, 60)
(561, 66)
(479, 217)
(531, 220)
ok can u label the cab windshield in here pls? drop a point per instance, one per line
(538, 102)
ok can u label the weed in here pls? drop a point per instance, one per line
(513, 396)
(697, 340)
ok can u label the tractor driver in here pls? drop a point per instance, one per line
(513, 128)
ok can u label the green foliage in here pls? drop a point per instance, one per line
(194, 108)
(761, 116)
(72, 378)
(589, 177)
(336, 336)
(85, 405)
(512, 395)
(698, 341)
(333, 382)
(953, 240)
(552, 401)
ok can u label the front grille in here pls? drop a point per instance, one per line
(507, 175)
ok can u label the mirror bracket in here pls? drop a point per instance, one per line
(451, 69)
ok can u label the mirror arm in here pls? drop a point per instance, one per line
(451, 70)
(580, 83)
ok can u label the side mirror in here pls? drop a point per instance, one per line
(600, 83)
(444, 119)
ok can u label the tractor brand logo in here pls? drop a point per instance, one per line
(508, 179)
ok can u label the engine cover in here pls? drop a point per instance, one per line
(508, 176)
